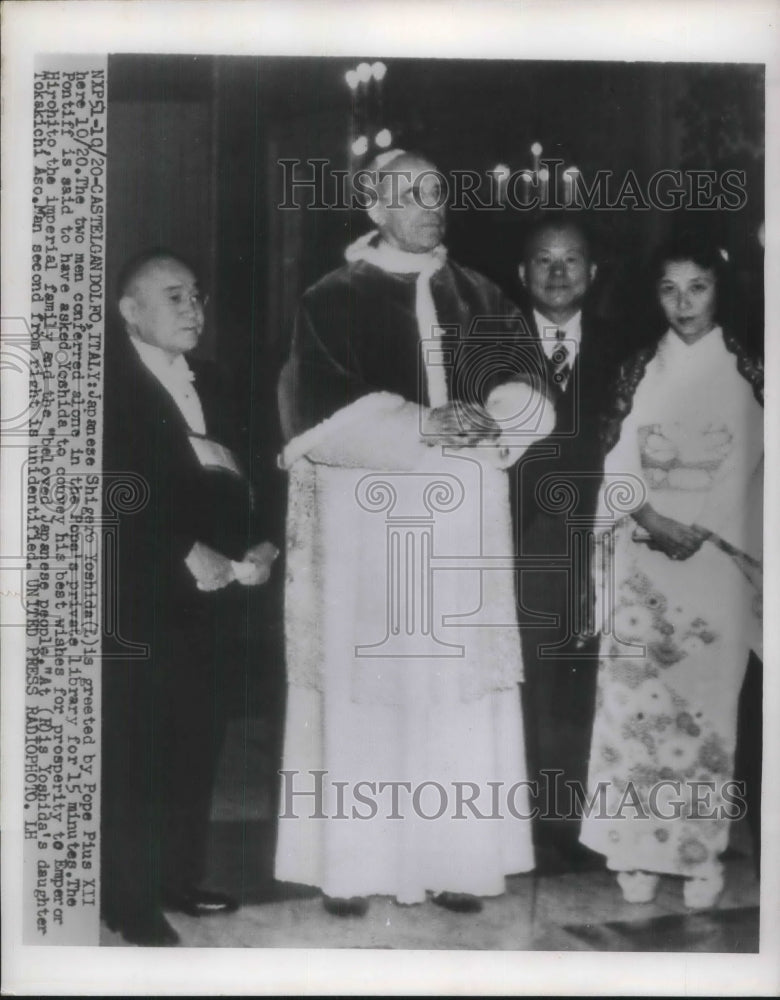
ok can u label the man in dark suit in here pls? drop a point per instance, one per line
(555, 490)
(183, 528)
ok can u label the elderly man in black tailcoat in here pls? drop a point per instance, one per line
(181, 550)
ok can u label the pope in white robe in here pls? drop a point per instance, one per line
(404, 767)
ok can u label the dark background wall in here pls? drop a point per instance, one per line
(195, 144)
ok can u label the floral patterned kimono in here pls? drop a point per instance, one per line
(676, 635)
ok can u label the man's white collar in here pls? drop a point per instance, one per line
(372, 249)
(548, 333)
(160, 362)
(548, 330)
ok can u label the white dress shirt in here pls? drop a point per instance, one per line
(177, 377)
(548, 334)
(211, 570)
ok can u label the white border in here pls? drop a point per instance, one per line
(698, 30)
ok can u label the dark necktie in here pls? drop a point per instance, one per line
(561, 361)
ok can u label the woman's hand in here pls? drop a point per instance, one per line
(676, 540)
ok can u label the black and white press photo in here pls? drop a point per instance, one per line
(384, 566)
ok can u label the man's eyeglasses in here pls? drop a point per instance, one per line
(188, 300)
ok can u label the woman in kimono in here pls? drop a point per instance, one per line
(679, 578)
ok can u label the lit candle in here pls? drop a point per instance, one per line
(536, 152)
(567, 184)
(544, 181)
(569, 176)
(501, 173)
(527, 178)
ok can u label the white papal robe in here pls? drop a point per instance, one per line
(403, 654)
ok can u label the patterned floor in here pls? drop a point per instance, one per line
(568, 912)
(576, 912)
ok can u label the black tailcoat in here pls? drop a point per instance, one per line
(163, 711)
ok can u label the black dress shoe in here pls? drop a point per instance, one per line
(565, 859)
(198, 902)
(458, 902)
(582, 859)
(338, 906)
(149, 931)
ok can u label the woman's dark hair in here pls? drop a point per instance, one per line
(688, 246)
(705, 254)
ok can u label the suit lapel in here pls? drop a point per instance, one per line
(213, 400)
(139, 379)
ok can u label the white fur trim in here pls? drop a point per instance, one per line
(525, 416)
(377, 431)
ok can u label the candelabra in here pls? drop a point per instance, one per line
(535, 182)
(367, 129)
